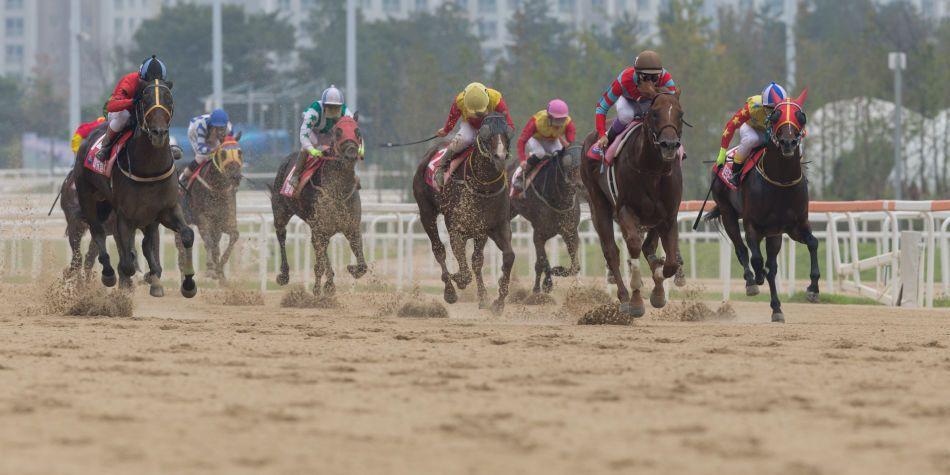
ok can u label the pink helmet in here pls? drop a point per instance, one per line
(557, 109)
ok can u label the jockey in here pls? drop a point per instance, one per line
(546, 133)
(472, 105)
(83, 131)
(121, 101)
(752, 122)
(318, 120)
(632, 91)
(205, 133)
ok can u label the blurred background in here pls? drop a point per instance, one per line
(414, 55)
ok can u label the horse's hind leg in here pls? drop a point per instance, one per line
(233, 235)
(773, 244)
(174, 220)
(211, 236)
(730, 224)
(355, 237)
(541, 265)
(629, 225)
(74, 232)
(464, 275)
(753, 240)
(321, 262)
(90, 258)
(150, 252)
(604, 225)
(803, 235)
(649, 247)
(98, 233)
(502, 238)
(478, 260)
(680, 279)
(427, 216)
(672, 264)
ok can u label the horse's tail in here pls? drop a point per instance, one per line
(269, 189)
(713, 214)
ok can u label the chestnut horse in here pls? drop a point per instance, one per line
(772, 200)
(642, 191)
(329, 203)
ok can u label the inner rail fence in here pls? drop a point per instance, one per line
(861, 245)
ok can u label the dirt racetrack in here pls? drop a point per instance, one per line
(196, 387)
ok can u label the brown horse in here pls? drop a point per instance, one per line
(551, 204)
(772, 200)
(329, 203)
(143, 192)
(211, 203)
(641, 191)
(476, 206)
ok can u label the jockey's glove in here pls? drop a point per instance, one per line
(361, 150)
(316, 153)
(721, 159)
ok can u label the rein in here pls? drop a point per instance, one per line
(469, 170)
(545, 202)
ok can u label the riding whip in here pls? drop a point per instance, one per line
(703, 207)
(391, 145)
(58, 194)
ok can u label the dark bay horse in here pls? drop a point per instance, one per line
(552, 205)
(143, 191)
(772, 200)
(76, 228)
(475, 204)
(211, 203)
(329, 203)
(647, 184)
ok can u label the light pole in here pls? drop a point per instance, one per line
(897, 62)
(217, 74)
(74, 78)
(351, 91)
(789, 10)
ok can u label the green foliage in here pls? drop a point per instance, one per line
(255, 48)
(10, 110)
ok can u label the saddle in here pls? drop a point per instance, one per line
(726, 172)
(310, 167)
(617, 144)
(528, 179)
(104, 168)
(198, 176)
(437, 158)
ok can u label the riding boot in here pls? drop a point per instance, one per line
(298, 168)
(446, 161)
(107, 143)
(736, 176)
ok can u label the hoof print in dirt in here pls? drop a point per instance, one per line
(608, 314)
(423, 309)
(298, 297)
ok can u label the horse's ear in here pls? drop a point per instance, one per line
(237, 136)
(169, 84)
(802, 118)
(801, 97)
(356, 116)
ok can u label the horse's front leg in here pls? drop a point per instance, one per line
(753, 240)
(125, 242)
(501, 236)
(321, 262)
(671, 266)
(355, 238)
(464, 275)
(427, 216)
(478, 260)
(74, 232)
(150, 252)
(773, 245)
(233, 236)
(542, 269)
(98, 233)
(174, 220)
(211, 237)
(571, 240)
(630, 227)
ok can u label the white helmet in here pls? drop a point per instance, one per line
(332, 97)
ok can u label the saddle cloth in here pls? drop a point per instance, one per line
(437, 158)
(616, 145)
(309, 168)
(104, 168)
(726, 172)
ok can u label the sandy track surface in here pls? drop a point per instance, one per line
(194, 387)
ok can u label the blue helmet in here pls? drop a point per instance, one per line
(218, 118)
(152, 68)
(773, 94)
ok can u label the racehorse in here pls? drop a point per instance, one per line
(475, 204)
(76, 228)
(329, 202)
(642, 190)
(772, 200)
(143, 194)
(210, 202)
(550, 202)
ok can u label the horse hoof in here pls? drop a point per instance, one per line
(635, 311)
(498, 306)
(811, 297)
(548, 286)
(760, 280)
(778, 317)
(188, 287)
(108, 280)
(283, 279)
(751, 290)
(658, 301)
(679, 280)
(450, 296)
(356, 271)
(156, 291)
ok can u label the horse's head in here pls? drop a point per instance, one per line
(787, 124)
(347, 140)
(664, 124)
(493, 138)
(229, 159)
(154, 109)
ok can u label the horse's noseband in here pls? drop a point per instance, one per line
(156, 87)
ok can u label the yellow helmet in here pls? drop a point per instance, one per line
(475, 97)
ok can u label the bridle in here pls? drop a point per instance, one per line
(483, 152)
(788, 114)
(653, 134)
(231, 155)
(142, 116)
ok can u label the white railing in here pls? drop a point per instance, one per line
(397, 247)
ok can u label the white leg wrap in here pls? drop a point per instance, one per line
(636, 282)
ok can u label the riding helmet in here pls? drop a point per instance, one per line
(773, 94)
(152, 68)
(332, 96)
